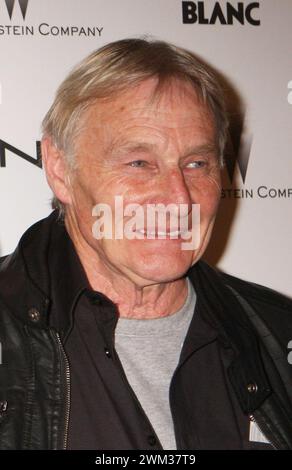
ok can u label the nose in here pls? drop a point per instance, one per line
(175, 189)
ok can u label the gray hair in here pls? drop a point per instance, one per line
(117, 67)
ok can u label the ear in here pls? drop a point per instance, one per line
(56, 170)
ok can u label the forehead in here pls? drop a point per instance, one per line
(176, 103)
(174, 116)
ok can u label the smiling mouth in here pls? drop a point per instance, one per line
(159, 233)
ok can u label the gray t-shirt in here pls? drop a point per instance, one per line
(149, 351)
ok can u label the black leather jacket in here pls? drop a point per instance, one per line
(35, 376)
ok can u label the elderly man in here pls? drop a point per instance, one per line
(128, 341)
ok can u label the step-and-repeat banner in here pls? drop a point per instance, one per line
(249, 45)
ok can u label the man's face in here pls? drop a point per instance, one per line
(149, 151)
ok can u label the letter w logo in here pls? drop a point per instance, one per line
(238, 150)
(242, 159)
(10, 5)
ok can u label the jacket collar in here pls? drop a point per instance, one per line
(26, 280)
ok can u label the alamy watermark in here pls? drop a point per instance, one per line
(150, 221)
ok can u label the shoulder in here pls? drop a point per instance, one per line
(251, 290)
(257, 292)
(268, 306)
(274, 308)
(3, 258)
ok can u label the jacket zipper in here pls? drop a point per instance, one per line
(273, 444)
(67, 396)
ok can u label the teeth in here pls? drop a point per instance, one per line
(144, 232)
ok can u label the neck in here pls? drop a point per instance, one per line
(133, 300)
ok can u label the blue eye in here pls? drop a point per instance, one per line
(196, 164)
(137, 163)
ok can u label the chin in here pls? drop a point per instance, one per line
(159, 269)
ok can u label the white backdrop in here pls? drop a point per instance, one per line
(252, 239)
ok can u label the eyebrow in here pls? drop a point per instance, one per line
(202, 149)
(205, 149)
(130, 147)
(137, 146)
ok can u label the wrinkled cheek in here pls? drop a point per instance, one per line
(213, 203)
(208, 197)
